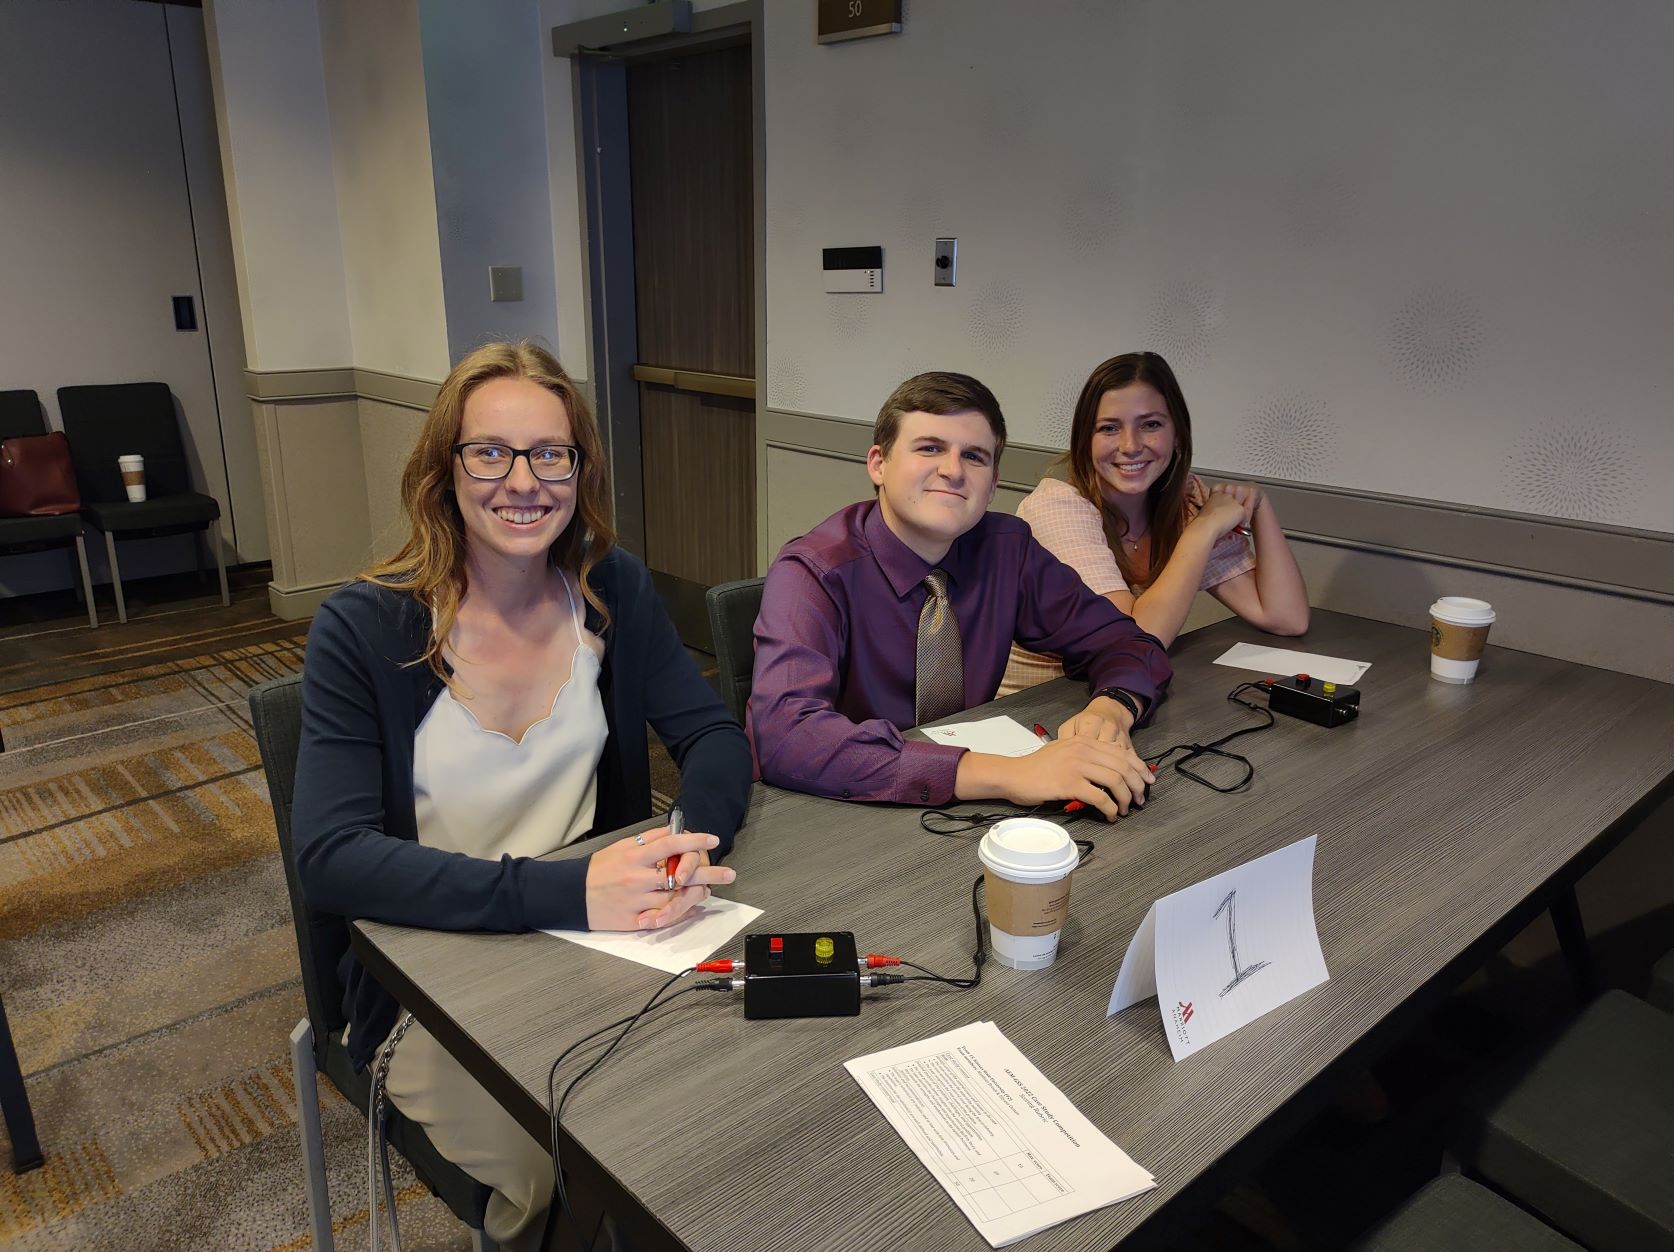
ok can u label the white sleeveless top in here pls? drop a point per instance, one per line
(486, 794)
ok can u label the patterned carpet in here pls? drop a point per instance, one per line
(146, 952)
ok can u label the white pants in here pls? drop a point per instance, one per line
(469, 1127)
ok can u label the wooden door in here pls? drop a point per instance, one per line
(690, 145)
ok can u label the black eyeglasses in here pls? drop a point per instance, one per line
(549, 462)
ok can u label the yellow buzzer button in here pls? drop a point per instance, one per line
(823, 948)
(1330, 688)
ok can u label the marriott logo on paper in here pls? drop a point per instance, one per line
(1182, 1014)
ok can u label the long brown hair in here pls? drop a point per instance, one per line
(431, 565)
(1166, 501)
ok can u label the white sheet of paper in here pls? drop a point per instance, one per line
(695, 937)
(1014, 1154)
(1001, 736)
(1227, 949)
(1333, 669)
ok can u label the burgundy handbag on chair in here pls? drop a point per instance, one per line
(37, 478)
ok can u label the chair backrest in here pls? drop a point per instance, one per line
(732, 620)
(321, 938)
(112, 420)
(20, 414)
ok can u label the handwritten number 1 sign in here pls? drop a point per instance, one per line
(1226, 950)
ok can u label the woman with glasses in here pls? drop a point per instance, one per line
(1142, 530)
(480, 699)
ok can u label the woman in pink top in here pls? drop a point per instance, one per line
(1143, 530)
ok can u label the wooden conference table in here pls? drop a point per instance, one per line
(1448, 817)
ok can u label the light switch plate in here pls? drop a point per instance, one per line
(947, 262)
(505, 283)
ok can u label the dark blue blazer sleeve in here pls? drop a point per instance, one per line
(705, 740)
(347, 860)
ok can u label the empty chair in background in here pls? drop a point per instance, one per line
(114, 420)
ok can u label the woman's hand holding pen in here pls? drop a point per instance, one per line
(627, 882)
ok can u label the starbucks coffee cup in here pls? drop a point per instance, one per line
(1027, 863)
(133, 476)
(1458, 633)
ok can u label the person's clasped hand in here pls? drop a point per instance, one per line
(626, 886)
(1227, 507)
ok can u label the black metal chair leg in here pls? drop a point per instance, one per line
(1572, 942)
(14, 1104)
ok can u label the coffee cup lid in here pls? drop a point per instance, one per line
(1463, 611)
(1028, 849)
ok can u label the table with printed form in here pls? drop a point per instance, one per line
(1447, 818)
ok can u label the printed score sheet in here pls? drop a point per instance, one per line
(1015, 1155)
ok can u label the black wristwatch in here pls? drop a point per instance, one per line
(1121, 697)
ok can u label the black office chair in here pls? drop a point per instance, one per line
(20, 414)
(106, 422)
(1454, 1214)
(1581, 1131)
(1661, 993)
(14, 1104)
(732, 620)
(317, 1042)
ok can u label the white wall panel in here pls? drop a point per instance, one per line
(386, 196)
(1419, 249)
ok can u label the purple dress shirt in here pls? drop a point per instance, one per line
(836, 652)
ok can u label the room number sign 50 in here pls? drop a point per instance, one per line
(855, 19)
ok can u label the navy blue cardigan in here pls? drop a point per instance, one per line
(353, 822)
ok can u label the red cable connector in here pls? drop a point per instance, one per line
(715, 967)
(874, 961)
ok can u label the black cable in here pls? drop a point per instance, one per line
(978, 958)
(556, 1111)
(1197, 751)
(947, 822)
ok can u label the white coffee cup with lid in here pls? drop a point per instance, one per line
(1028, 863)
(1458, 633)
(133, 476)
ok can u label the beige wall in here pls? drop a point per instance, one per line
(386, 196)
(276, 155)
(1343, 223)
(387, 434)
(324, 131)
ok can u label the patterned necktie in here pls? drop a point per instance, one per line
(941, 665)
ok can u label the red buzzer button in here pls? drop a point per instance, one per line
(776, 946)
(1301, 680)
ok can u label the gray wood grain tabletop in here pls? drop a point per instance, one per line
(1442, 813)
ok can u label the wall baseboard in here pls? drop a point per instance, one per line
(293, 604)
(1554, 582)
(1570, 553)
(340, 383)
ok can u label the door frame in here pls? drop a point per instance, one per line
(601, 121)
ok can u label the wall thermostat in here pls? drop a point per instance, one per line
(853, 269)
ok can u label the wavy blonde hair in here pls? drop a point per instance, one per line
(431, 564)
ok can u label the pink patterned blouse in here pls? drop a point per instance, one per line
(1069, 526)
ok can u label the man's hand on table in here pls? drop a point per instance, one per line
(1103, 775)
(626, 888)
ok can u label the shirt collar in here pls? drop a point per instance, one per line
(903, 567)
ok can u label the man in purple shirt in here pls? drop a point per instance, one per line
(845, 629)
